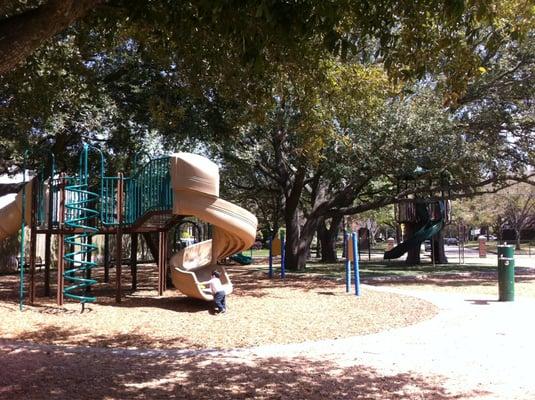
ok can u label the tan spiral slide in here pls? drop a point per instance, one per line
(11, 212)
(195, 182)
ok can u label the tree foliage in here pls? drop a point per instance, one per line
(119, 73)
(511, 208)
(364, 151)
(329, 107)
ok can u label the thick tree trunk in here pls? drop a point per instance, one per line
(22, 34)
(328, 238)
(292, 238)
(413, 255)
(438, 252)
(517, 234)
(328, 250)
(298, 242)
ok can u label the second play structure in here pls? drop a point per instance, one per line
(421, 217)
(157, 196)
(421, 220)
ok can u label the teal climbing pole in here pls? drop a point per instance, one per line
(81, 216)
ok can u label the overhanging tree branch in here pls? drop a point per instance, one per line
(7, 188)
(22, 34)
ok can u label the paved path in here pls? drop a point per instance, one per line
(475, 341)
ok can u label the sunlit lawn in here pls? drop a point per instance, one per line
(458, 278)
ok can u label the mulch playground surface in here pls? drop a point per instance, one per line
(260, 311)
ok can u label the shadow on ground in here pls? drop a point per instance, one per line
(247, 282)
(58, 374)
(51, 333)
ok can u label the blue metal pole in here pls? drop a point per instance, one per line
(347, 262)
(356, 264)
(270, 271)
(283, 257)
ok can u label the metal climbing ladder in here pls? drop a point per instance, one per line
(81, 216)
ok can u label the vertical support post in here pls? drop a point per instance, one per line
(33, 239)
(347, 262)
(61, 243)
(283, 256)
(48, 235)
(432, 250)
(48, 259)
(162, 262)
(106, 258)
(459, 242)
(356, 265)
(133, 259)
(160, 267)
(369, 247)
(22, 262)
(119, 241)
(89, 257)
(270, 270)
(344, 247)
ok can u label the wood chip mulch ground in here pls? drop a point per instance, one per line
(260, 311)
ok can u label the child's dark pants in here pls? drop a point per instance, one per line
(219, 299)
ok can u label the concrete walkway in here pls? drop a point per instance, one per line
(475, 342)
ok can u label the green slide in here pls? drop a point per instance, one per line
(431, 228)
(242, 259)
(427, 232)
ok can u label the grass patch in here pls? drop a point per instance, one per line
(370, 269)
(400, 269)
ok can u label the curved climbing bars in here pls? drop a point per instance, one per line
(81, 216)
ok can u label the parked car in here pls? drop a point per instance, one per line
(451, 241)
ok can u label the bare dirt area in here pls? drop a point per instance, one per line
(260, 311)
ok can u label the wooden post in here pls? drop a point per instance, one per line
(33, 239)
(106, 258)
(48, 258)
(48, 235)
(162, 262)
(119, 242)
(61, 243)
(133, 259)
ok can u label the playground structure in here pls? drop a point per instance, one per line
(158, 195)
(429, 217)
(242, 259)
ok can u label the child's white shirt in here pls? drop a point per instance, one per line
(216, 285)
